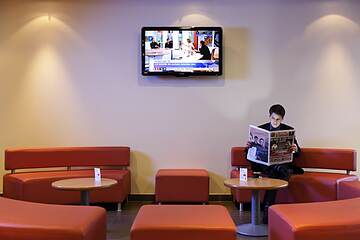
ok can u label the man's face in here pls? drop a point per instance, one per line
(275, 120)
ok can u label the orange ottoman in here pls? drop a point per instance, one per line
(182, 185)
(21, 220)
(179, 222)
(335, 220)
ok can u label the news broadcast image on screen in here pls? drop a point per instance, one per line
(182, 51)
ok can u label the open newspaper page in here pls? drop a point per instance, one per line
(280, 143)
(270, 148)
(259, 150)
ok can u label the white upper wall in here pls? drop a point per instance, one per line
(70, 76)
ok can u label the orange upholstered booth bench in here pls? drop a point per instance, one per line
(312, 186)
(21, 220)
(335, 220)
(179, 222)
(349, 190)
(35, 186)
(182, 185)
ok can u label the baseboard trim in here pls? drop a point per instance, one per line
(141, 198)
(221, 197)
(151, 197)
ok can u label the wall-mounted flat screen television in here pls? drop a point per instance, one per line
(181, 51)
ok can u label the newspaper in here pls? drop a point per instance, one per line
(270, 148)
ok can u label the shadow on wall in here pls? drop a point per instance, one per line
(236, 64)
(142, 173)
(172, 81)
(217, 184)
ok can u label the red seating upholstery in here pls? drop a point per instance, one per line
(34, 221)
(182, 185)
(312, 186)
(66, 156)
(327, 158)
(179, 222)
(349, 190)
(335, 220)
(36, 185)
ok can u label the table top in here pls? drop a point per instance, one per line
(81, 184)
(256, 183)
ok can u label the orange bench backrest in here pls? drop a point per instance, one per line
(66, 157)
(324, 158)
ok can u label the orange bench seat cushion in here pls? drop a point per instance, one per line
(309, 187)
(36, 186)
(349, 189)
(335, 220)
(179, 222)
(313, 187)
(34, 221)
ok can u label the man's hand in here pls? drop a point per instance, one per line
(248, 144)
(293, 148)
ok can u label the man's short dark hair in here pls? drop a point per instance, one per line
(277, 109)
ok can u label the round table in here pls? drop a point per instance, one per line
(84, 185)
(255, 228)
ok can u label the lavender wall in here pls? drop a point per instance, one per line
(70, 75)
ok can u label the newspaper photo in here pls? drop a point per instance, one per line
(270, 148)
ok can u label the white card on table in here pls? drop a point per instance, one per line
(97, 174)
(243, 174)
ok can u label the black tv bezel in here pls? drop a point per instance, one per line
(181, 74)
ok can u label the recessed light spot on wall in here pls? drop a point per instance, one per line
(195, 19)
(44, 29)
(332, 26)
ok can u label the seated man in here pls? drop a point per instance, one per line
(280, 171)
(154, 44)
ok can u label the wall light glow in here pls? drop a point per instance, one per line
(331, 26)
(333, 39)
(199, 19)
(46, 28)
(45, 95)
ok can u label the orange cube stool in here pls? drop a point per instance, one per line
(182, 185)
(179, 222)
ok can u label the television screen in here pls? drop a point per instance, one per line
(181, 51)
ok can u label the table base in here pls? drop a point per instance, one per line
(259, 230)
(85, 198)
